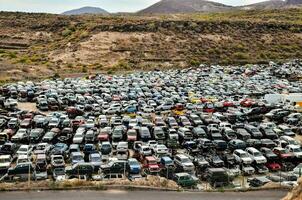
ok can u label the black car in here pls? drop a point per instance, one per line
(215, 161)
(220, 145)
(258, 181)
(268, 133)
(269, 154)
(86, 169)
(9, 149)
(115, 167)
(253, 143)
(236, 144)
(267, 143)
(36, 135)
(199, 132)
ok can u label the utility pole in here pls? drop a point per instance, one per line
(29, 166)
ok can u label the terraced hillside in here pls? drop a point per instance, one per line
(40, 45)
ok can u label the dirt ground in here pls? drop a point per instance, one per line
(27, 106)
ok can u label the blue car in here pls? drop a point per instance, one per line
(134, 166)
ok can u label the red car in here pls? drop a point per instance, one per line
(131, 135)
(104, 134)
(273, 166)
(203, 100)
(283, 153)
(247, 103)
(77, 122)
(208, 107)
(228, 104)
(116, 98)
(25, 123)
(150, 165)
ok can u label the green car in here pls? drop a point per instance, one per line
(185, 180)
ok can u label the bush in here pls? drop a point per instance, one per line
(66, 32)
(194, 63)
(12, 55)
(84, 69)
(240, 56)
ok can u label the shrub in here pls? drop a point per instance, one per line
(194, 62)
(66, 32)
(240, 56)
(84, 69)
(12, 55)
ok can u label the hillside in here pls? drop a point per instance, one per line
(294, 2)
(41, 45)
(185, 6)
(85, 10)
(271, 4)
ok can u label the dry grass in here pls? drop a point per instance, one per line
(150, 181)
(41, 45)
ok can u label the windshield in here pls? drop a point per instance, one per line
(133, 162)
(4, 160)
(132, 133)
(95, 159)
(185, 160)
(59, 171)
(243, 155)
(257, 154)
(297, 150)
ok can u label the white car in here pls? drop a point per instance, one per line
(295, 150)
(242, 157)
(10, 103)
(184, 163)
(23, 159)
(122, 146)
(256, 155)
(145, 150)
(161, 149)
(24, 150)
(5, 162)
(78, 138)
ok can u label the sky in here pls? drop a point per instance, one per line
(59, 6)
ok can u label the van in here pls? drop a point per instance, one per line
(217, 177)
(144, 133)
(242, 134)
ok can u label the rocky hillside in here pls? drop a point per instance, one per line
(86, 10)
(39, 45)
(294, 2)
(271, 4)
(185, 6)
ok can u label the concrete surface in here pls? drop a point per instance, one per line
(140, 195)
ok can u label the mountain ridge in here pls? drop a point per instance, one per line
(85, 10)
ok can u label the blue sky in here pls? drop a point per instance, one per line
(59, 6)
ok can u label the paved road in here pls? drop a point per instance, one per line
(139, 195)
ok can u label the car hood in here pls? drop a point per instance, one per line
(4, 164)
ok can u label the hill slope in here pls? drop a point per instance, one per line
(185, 6)
(37, 45)
(294, 2)
(271, 4)
(85, 10)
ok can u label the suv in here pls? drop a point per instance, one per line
(22, 170)
(256, 155)
(114, 166)
(185, 180)
(184, 163)
(79, 169)
(5, 163)
(242, 157)
(217, 177)
(185, 134)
